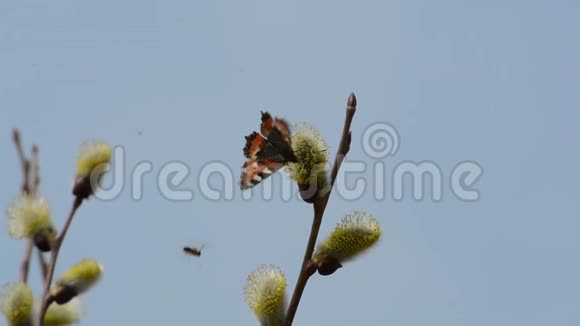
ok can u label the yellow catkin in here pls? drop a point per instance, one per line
(92, 154)
(265, 293)
(16, 301)
(81, 276)
(355, 234)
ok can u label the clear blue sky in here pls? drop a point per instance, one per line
(495, 82)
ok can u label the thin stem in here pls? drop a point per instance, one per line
(25, 166)
(43, 265)
(25, 265)
(24, 162)
(34, 171)
(308, 267)
(56, 245)
(345, 139)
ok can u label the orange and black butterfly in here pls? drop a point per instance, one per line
(192, 251)
(267, 151)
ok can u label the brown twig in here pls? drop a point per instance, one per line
(25, 166)
(43, 265)
(25, 264)
(308, 267)
(34, 171)
(24, 162)
(55, 249)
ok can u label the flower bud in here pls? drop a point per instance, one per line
(265, 293)
(29, 217)
(78, 279)
(328, 265)
(64, 314)
(309, 170)
(43, 239)
(354, 235)
(16, 303)
(93, 158)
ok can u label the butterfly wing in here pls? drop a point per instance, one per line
(254, 145)
(257, 170)
(267, 151)
(282, 126)
(267, 124)
(270, 124)
(276, 149)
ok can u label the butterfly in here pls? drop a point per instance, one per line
(266, 151)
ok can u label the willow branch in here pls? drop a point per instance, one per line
(34, 171)
(308, 267)
(55, 249)
(43, 265)
(24, 162)
(25, 264)
(25, 166)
